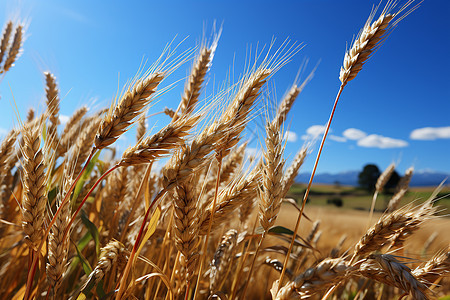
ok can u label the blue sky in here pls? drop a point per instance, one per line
(94, 46)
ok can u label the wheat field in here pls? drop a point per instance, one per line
(80, 220)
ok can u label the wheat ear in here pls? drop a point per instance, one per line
(84, 143)
(6, 148)
(236, 194)
(35, 183)
(159, 144)
(5, 39)
(14, 49)
(194, 84)
(381, 182)
(51, 91)
(131, 104)
(315, 280)
(387, 269)
(438, 266)
(404, 221)
(186, 226)
(114, 252)
(222, 259)
(58, 245)
(401, 190)
(272, 175)
(369, 39)
(30, 115)
(141, 128)
(292, 171)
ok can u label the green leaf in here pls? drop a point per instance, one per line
(52, 195)
(82, 243)
(100, 292)
(84, 177)
(92, 230)
(86, 266)
(281, 230)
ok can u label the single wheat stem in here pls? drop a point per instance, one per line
(205, 243)
(253, 265)
(125, 273)
(87, 196)
(136, 203)
(309, 184)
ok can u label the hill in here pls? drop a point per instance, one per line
(421, 178)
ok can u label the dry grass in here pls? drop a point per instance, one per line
(78, 224)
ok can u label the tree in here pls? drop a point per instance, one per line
(367, 178)
(392, 182)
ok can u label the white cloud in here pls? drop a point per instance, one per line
(354, 134)
(249, 151)
(313, 132)
(382, 142)
(316, 130)
(430, 133)
(63, 119)
(290, 136)
(3, 132)
(336, 138)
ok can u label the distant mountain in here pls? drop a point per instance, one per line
(421, 178)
